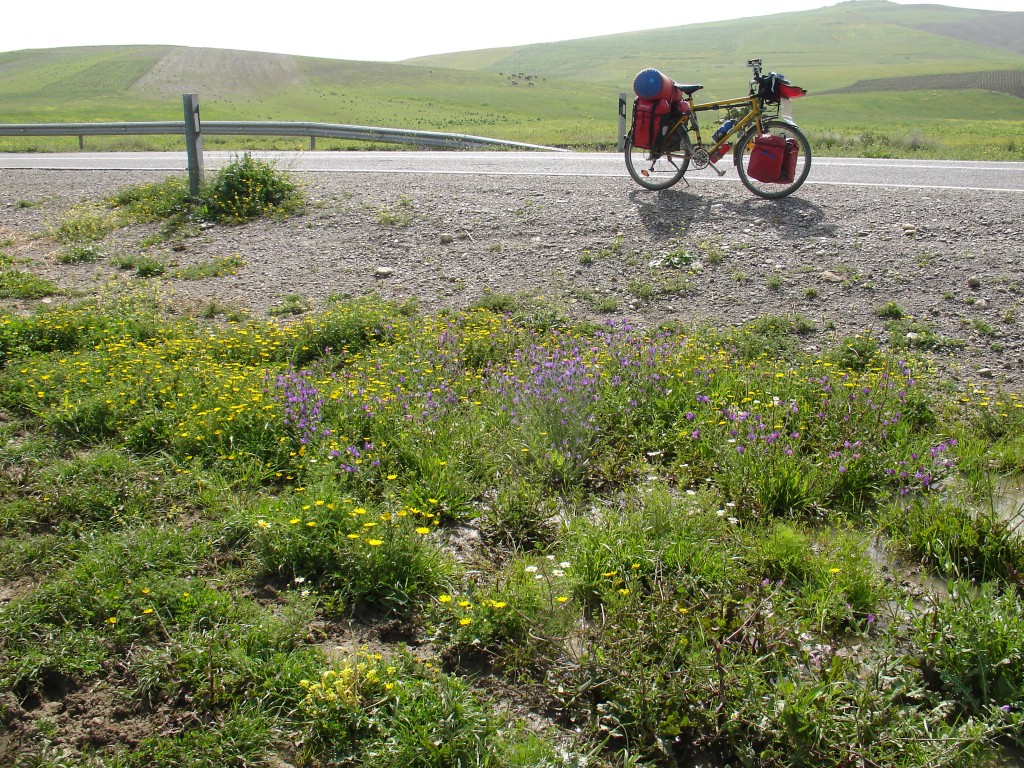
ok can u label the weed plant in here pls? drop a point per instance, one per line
(80, 254)
(15, 284)
(669, 544)
(248, 189)
(85, 223)
(243, 190)
(292, 304)
(399, 214)
(217, 267)
(143, 266)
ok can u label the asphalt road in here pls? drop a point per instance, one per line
(926, 174)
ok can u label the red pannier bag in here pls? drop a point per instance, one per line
(789, 158)
(787, 91)
(647, 121)
(766, 159)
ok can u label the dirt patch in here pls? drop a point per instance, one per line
(218, 73)
(68, 716)
(12, 590)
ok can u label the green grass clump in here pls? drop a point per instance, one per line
(15, 284)
(292, 304)
(365, 557)
(398, 214)
(971, 648)
(248, 189)
(156, 201)
(85, 223)
(535, 312)
(654, 285)
(218, 267)
(890, 311)
(400, 711)
(80, 254)
(243, 190)
(671, 542)
(957, 543)
(908, 333)
(143, 266)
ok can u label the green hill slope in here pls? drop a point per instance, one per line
(881, 77)
(830, 47)
(124, 83)
(891, 72)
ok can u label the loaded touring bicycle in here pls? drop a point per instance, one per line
(666, 137)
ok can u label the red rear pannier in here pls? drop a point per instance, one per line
(766, 158)
(647, 119)
(789, 158)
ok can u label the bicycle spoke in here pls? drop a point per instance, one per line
(653, 170)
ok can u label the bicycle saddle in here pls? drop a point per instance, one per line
(689, 90)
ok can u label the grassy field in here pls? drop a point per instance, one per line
(566, 94)
(828, 47)
(919, 124)
(325, 91)
(365, 537)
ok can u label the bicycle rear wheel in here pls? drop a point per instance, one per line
(793, 181)
(657, 170)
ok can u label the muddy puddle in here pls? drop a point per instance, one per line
(1008, 503)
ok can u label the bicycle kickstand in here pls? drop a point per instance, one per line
(716, 169)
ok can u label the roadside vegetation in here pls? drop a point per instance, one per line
(369, 537)
(354, 535)
(243, 190)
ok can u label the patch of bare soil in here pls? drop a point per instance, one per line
(76, 718)
(218, 73)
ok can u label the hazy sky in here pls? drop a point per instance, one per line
(362, 29)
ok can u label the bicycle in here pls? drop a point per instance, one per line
(750, 121)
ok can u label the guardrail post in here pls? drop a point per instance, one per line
(621, 144)
(312, 143)
(193, 142)
(81, 142)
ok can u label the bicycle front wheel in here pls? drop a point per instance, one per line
(796, 165)
(657, 170)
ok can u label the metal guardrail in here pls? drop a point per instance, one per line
(257, 128)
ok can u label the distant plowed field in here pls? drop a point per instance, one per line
(1009, 81)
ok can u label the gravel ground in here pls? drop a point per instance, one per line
(600, 248)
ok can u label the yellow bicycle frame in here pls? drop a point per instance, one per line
(753, 116)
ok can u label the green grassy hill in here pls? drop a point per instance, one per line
(829, 47)
(882, 77)
(125, 83)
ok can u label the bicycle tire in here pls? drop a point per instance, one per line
(774, 190)
(657, 170)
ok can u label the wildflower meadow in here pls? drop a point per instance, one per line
(367, 537)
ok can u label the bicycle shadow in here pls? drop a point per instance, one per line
(663, 213)
(791, 218)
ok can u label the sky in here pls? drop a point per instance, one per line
(363, 29)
